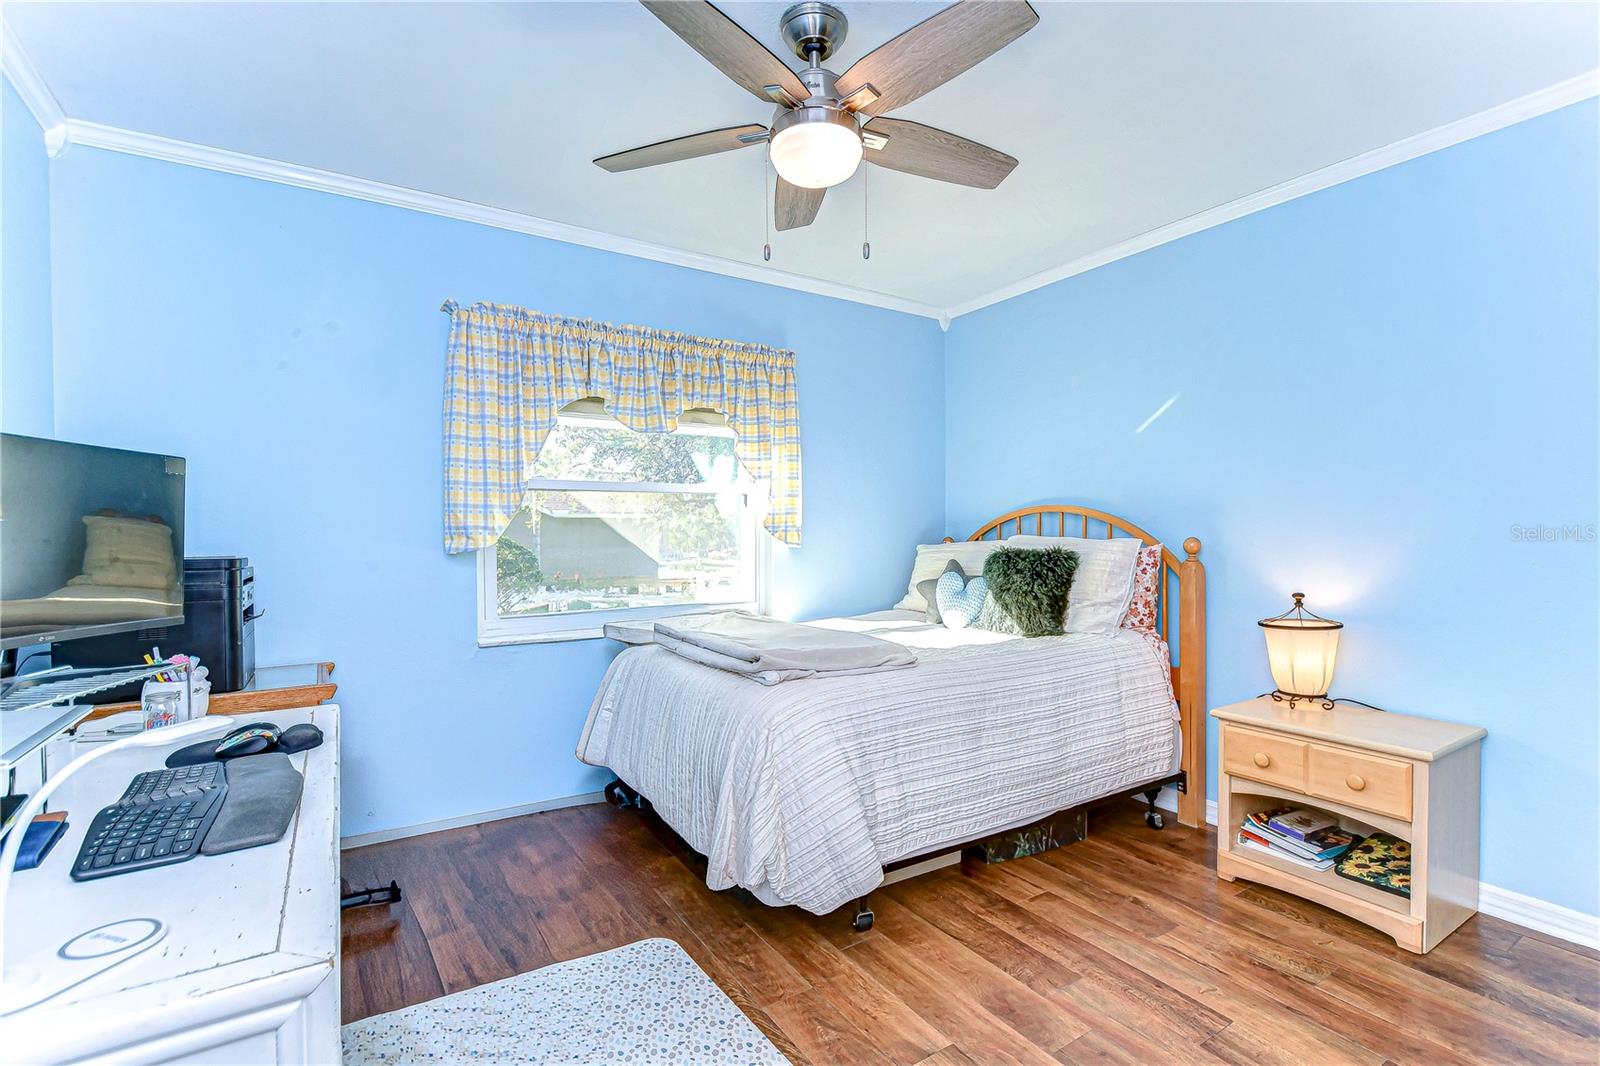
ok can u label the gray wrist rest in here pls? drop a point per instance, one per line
(263, 794)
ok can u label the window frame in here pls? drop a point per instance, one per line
(495, 631)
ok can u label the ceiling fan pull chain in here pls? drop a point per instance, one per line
(766, 213)
(866, 244)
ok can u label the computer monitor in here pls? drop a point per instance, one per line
(91, 541)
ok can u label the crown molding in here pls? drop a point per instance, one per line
(36, 95)
(1571, 91)
(151, 146)
(60, 131)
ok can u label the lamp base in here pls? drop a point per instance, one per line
(1280, 696)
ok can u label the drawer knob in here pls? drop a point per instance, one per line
(1356, 782)
(1262, 759)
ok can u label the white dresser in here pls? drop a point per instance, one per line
(248, 968)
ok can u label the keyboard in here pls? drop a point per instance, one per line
(161, 818)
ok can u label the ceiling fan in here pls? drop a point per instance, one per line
(826, 123)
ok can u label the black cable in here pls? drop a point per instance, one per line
(1358, 703)
(31, 655)
(1335, 699)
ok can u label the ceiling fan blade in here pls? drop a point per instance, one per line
(794, 207)
(936, 50)
(696, 144)
(917, 149)
(726, 46)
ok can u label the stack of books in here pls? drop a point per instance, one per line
(1306, 837)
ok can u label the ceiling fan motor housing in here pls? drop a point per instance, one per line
(813, 29)
(813, 112)
(819, 131)
(822, 86)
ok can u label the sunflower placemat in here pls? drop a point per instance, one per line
(1382, 861)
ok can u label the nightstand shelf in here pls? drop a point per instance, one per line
(1248, 796)
(1415, 778)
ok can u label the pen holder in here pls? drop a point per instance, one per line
(199, 694)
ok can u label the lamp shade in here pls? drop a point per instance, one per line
(816, 147)
(1301, 649)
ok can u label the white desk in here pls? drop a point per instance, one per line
(248, 970)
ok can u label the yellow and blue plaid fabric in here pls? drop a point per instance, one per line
(511, 371)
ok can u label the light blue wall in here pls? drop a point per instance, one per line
(1374, 386)
(289, 343)
(25, 368)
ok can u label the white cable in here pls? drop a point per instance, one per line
(150, 738)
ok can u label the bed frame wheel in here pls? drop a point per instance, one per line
(1152, 817)
(620, 795)
(863, 919)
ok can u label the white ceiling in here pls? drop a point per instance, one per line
(1125, 116)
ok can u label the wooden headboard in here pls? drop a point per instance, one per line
(1182, 586)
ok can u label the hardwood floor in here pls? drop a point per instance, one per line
(1122, 948)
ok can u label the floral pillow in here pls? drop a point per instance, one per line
(1141, 612)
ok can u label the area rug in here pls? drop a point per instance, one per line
(643, 1003)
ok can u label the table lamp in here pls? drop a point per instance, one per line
(1301, 648)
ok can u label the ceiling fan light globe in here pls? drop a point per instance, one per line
(816, 148)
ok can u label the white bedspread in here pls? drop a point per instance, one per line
(802, 792)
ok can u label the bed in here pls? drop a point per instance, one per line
(804, 793)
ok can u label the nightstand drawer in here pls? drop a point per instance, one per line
(1365, 781)
(1268, 757)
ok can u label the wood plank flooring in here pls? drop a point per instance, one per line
(1124, 948)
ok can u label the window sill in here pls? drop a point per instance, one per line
(555, 636)
(562, 636)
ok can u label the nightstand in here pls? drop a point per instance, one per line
(1415, 778)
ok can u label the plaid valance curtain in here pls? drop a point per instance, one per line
(511, 371)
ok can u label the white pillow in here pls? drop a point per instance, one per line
(1102, 587)
(931, 558)
(128, 576)
(112, 540)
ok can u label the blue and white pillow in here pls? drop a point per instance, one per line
(960, 600)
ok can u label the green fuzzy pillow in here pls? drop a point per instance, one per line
(1028, 591)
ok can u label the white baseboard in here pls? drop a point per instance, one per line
(1551, 919)
(1541, 916)
(361, 840)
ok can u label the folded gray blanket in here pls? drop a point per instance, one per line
(769, 651)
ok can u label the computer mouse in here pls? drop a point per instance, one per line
(299, 738)
(252, 739)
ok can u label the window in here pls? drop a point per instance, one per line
(621, 525)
